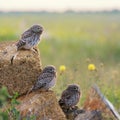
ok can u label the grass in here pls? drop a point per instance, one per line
(75, 40)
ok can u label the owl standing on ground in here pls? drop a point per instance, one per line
(70, 96)
(30, 37)
(46, 80)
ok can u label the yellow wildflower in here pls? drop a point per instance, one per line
(62, 68)
(91, 67)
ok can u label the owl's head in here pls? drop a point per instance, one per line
(37, 28)
(49, 69)
(73, 87)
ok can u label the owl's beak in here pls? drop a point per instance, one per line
(41, 29)
(77, 89)
(55, 73)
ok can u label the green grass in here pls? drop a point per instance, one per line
(75, 40)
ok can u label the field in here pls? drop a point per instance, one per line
(75, 40)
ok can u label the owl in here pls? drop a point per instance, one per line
(46, 79)
(70, 96)
(30, 37)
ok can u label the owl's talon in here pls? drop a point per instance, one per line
(34, 50)
(12, 60)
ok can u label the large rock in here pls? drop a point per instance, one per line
(43, 105)
(90, 115)
(19, 75)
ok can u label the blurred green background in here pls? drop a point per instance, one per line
(75, 40)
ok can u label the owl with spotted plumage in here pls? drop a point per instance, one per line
(70, 96)
(46, 79)
(30, 38)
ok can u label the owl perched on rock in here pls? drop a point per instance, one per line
(70, 96)
(46, 80)
(30, 37)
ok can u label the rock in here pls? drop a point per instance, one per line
(20, 74)
(80, 114)
(43, 105)
(71, 113)
(90, 115)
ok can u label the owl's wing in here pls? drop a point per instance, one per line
(43, 79)
(24, 37)
(20, 43)
(65, 97)
(26, 34)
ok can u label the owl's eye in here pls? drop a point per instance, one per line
(52, 69)
(75, 88)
